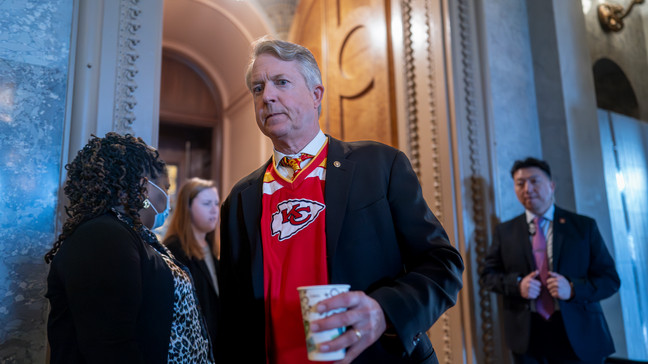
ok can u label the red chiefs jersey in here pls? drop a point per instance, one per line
(294, 254)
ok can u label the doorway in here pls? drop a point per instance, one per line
(187, 150)
(190, 132)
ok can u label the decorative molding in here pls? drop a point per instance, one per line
(434, 140)
(447, 338)
(414, 145)
(436, 172)
(477, 188)
(126, 68)
(348, 29)
(410, 87)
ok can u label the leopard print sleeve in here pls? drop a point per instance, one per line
(189, 339)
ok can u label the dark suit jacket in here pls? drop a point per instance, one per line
(207, 297)
(111, 297)
(381, 238)
(580, 255)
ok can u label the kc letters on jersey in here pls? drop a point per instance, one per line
(294, 215)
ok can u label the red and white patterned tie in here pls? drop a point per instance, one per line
(295, 163)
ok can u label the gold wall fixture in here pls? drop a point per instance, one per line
(611, 15)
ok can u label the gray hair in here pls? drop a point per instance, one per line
(285, 51)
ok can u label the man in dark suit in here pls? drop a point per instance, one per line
(552, 268)
(375, 232)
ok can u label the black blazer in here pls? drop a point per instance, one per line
(381, 238)
(207, 297)
(111, 297)
(580, 255)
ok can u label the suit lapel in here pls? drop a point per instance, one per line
(558, 236)
(252, 204)
(522, 235)
(339, 173)
(205, 272)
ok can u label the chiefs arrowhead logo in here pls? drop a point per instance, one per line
(293, 216)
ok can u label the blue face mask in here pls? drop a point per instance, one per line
(159, 216)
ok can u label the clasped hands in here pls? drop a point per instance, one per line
(364, 318)
(558, 286)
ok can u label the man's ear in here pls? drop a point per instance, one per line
(318, 95)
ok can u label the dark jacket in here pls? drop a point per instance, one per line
(111, 297)
(580, 255)
(381, 238)
(207, 297)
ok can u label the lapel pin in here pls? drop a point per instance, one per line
(561, 220)
(337, 164)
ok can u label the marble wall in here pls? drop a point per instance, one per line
(513, 105)
(34, 55)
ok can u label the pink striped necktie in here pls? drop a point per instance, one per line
(544, 303)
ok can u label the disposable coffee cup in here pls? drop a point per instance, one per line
(309, 296)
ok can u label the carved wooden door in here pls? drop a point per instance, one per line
(351, 42)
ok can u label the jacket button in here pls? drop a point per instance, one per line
(416, 339)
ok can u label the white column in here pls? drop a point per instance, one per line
(117, 70)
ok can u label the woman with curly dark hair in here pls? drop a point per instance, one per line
(191, 238)
(116, 294)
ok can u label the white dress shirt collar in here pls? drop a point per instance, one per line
(548, 215)
(312, 148)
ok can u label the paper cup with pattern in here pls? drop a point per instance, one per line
(309, 296)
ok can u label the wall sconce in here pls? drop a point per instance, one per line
(611, 15)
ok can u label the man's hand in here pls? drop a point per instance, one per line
(530, 286)
(559, 287)
(364, 318)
